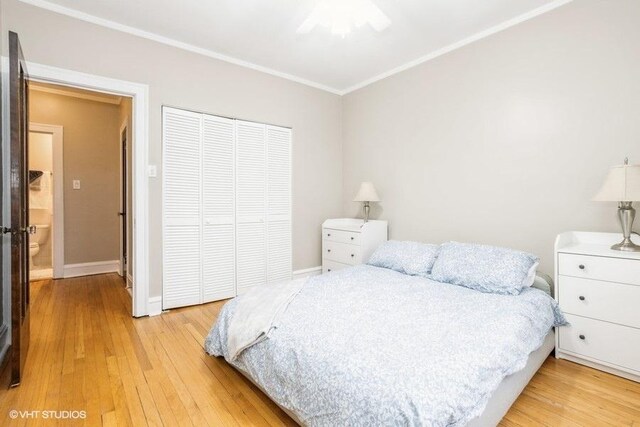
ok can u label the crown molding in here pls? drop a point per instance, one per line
(44, 4)
(468, 40)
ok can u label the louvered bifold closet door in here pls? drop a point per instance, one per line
(181, 208)
(279, 264)
(218, 196)
(251, 256)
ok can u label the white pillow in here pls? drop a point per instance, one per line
(485, 268)
(412, 258)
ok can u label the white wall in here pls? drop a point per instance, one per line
(506, 140)
(187, 80)
(503, 141)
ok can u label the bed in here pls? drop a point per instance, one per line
(372, 346)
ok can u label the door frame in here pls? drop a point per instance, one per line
(57, 172)
(140, 162)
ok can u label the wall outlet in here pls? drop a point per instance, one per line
(76, 184)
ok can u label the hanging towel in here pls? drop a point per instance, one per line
(41, 197)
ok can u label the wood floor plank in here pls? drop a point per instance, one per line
(88, 353)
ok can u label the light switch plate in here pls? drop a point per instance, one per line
(152, 171)
(76, 184)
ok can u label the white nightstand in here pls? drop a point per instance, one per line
(348, 241)
(598, 289)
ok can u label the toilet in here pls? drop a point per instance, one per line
(35, 240)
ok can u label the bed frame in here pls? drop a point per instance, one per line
(511, 387)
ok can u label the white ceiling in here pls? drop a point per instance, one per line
(262, 33)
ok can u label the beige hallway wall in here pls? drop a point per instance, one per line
(506, 140)
(187, 80)
(91, 155)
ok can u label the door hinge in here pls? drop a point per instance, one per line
(7, 230)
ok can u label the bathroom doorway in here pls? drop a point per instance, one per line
(46, 208)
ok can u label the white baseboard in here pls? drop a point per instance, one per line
(154, 307)
(307, 272)
(90, 268)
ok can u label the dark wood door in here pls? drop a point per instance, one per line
(123, 201)
(19, 182)
(4, 229)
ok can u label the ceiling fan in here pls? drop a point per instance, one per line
(340, 16)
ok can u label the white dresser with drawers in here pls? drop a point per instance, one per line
(598, 289)
(349, 241)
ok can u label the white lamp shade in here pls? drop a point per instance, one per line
(622, 185)
(367, 193)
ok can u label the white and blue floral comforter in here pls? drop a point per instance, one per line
(368, 346)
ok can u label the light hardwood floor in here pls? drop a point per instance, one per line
(88, 354)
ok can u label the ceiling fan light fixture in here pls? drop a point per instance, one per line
(341, 15)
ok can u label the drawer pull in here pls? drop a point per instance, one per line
(352, 255)
(581, 298)
(328, 250)
(352, 238)
(328, 234)
(329, 270)
(581, 266)
(582, 337)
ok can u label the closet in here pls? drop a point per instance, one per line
(226, 206)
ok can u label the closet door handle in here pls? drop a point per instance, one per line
(581, 298)
(581, 266)
(582, 337)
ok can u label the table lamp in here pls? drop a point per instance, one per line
(366, 194)
(623, 186)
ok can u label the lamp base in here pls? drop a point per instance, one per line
(626, 245)
(366, 208)
(626, 214)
